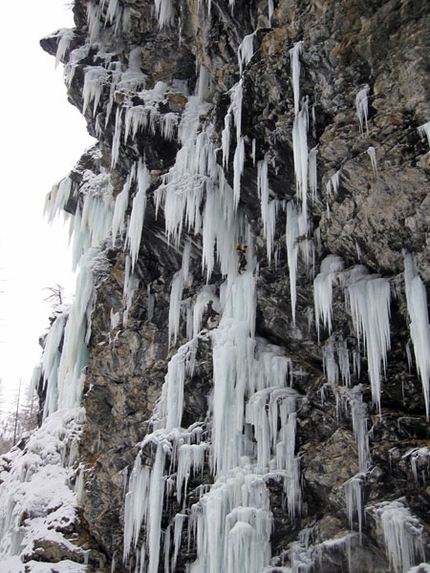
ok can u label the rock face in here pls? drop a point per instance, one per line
(299, 127)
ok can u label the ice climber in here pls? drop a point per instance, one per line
(241, 251)
(210, 313)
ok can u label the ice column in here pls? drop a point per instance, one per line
(74, 354)
(50, 362)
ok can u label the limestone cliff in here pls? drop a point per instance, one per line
(299, 127)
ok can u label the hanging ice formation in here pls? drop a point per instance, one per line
(269, 208)
(371, 151)
(362, 106)
(231, 523)
(424, 130)
(402, 534)
(416, 298)
(369, 301)
(323, 285)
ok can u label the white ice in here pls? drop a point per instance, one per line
(362, 107)
(416, 298)
(369, 302)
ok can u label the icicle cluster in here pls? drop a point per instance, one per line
(252, 423)
(402, 534)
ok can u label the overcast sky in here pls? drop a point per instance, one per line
(43, 136)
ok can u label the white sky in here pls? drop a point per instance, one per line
(43, 136)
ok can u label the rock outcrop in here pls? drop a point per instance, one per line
(302, 129)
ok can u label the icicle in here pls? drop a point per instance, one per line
(402, 535)
(66, 36)
(112, 11)
(292, 234)
(121, 204)
(137, 216)
(117, 137)
(369, 299)
(331, 368)
(50, 362)
(74, 354)
(270, 9)
(359, 424)
(295, 73)
(268, 208)
(344, 365)
(424, 130)
(165, 12)
(245, 51)
(323, 285)
(234, 111)
(238, 164)
(416, 299)
(57, 198)
(371, 151)
(204, 89)
(300, 153)
(95, 79)
(191, 458)
(354, 502)
(313, 177)
(93, 20)
(175, 306)
(361, 105)
(235, 525)
(131, 283)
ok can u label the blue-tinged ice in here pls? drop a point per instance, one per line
(416, 299)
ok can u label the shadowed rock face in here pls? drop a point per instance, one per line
(372, 215)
